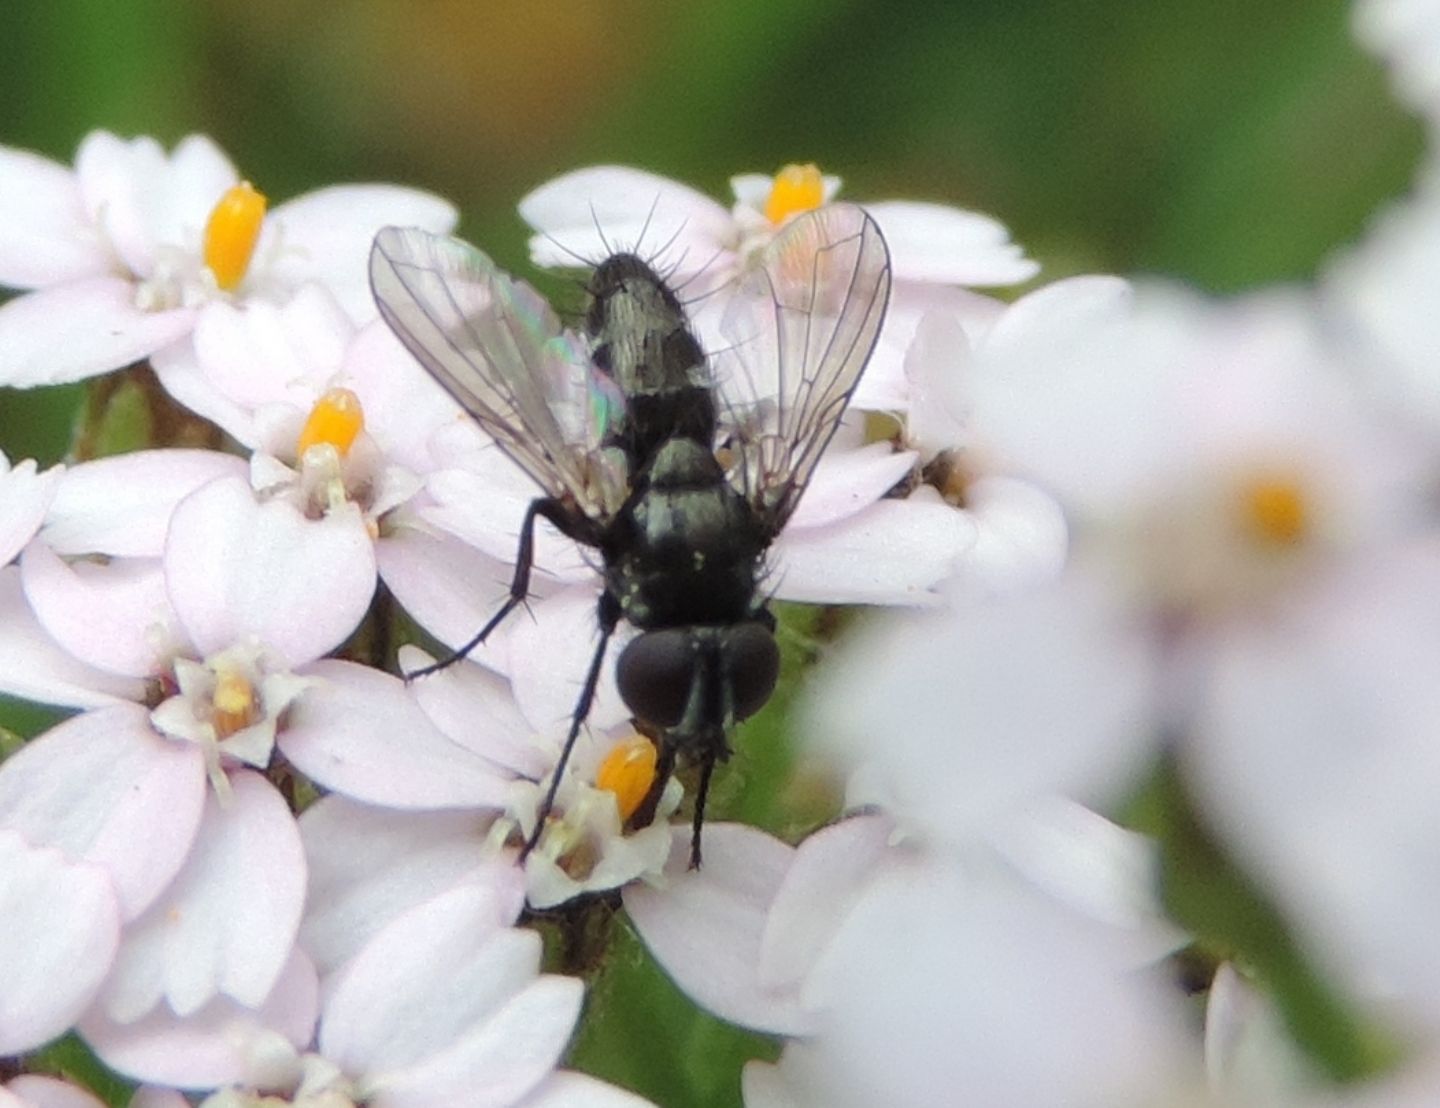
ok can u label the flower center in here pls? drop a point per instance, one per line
(797, 188)
(336, 420)
(231, 234)
(235, 703)
(1274, 511)
(628, 771)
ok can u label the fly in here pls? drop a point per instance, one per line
(677, 472)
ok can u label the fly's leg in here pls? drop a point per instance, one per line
(609, 617)
(644, 815)
(544, 507)
(707, 767)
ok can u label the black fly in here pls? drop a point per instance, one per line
(678, 474)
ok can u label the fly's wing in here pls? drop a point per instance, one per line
(799, 328)
(498, 349)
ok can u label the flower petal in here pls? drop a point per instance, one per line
(846, 481)
(227, 923)
(706, 926)
(589, 213)
(369, 866)
(36, 1091)
(496, 1062)
(433, 977)
(933, 242)
(236, 567)
(325, 236)
(105, 788)
(565, 1089)
(45, 237)
(218, 1045)
(114, 616)
(80, 329)
(121, 506)
(25, 496)
(361, 733)
(34, 667)
(893, 552)
(61, 927)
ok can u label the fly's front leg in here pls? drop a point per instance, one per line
(546, 507)
(609, 617)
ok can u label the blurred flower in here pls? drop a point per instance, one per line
(130, 249)
(35, 1091)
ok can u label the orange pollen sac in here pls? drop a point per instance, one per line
(235, 703)
(628, 771)
(1275, 511)
(231, 234)
(336, 419)
(797, 188)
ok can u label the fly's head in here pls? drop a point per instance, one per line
(694, 683)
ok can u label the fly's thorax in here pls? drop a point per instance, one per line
(690, 547)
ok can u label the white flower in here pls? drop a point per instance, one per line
(131, 248)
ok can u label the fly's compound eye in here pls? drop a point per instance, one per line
(654, 674)
(752, 661)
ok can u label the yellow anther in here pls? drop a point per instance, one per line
(628, 771)
(231, 234)
(336, 419)
(234, 703)
(797, 188)
(1275, 511)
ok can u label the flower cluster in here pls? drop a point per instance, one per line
(1133, 543)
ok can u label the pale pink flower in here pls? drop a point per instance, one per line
(25, 496)
(131, 248)
(701, 245)
(34, 1091)
(442, 1004)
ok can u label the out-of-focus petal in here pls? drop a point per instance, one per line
(79, 329)
(50, 1092)
(237, 567)
(933, 242)
(361, 733)
(226, 925)
(1005, 699)
(104, 787)
(590, 213)
(61, 928)
(1021, 537)
(564, 1089)
(121, 506)
(45, 237)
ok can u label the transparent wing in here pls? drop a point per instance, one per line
(799, 329)
(498, 349)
